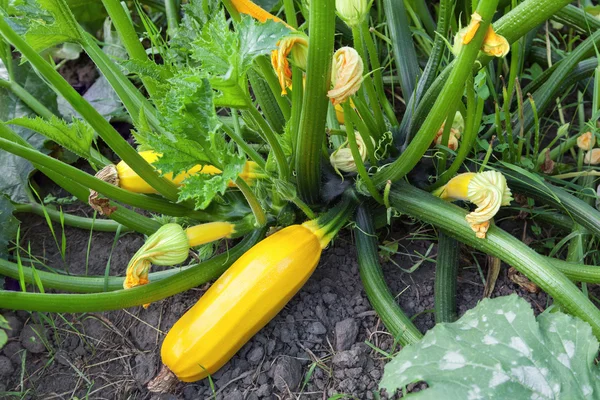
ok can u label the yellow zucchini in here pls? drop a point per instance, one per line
(242, 301)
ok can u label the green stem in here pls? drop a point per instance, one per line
(129, 37)
(253, 202)
(446, 273)
(272, 140)
(100, 225)
(267, 72)
(172, 11)
(448, 98)
(400, 326)
(112, 138)
(116, 193)
(290, 13)
(360, 166)
(119, 299)
(297, 100)
(451, 219)
(236, 135)
(311, 132)
(377, 75)
(367, 83)
(27, 98)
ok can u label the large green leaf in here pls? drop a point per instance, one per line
(14, 180)
(499, 350)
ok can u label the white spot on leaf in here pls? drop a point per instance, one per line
(490, 340)
(452, 360)
(533, 379)
(498, 378)
(518, 344)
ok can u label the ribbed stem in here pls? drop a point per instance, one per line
(311, 132)
(273, 141)
(257, 210)
(378, 293)
(446, 273)
(27, 98)
(172, 11)
(118, 299)
(451, 219)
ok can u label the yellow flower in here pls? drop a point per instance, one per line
(487, 190)
(296, 46)
(494, 44)
(346, 76)
(592, 157)
(458, 125)
(170, 245)
(352, 12)
(255, 11)
(466, 34)
(342, 159)
(586, 141)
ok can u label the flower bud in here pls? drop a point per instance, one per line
(352, 12)
(342, 159)
(295, 46)
(586, 141)
(494, 44)
(592, 157)
(346, 76)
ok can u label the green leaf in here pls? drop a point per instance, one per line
(4, 323)
(8, 225)
(258, 39)
(14, 180)
(76, 136)
(3, 338)
(48, 23)
(498, 350)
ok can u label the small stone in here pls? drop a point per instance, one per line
(349, 359)
(252, 396)
(376, 374)
(15, 326)
(190, 392)
(263, 390)
(144, 368)
(348, 385)
(62, 357)
(287, 375)
(255, 355)
(236, 395)
(286, 335)
(316, 328)
(14, 351)
(32, 338)
(346, 332)
(329, 298)
(6, 367)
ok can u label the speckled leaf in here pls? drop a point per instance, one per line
(498, 350)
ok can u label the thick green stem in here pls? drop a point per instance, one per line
(236, 135)
(272, 140)
(118, 299)
(257, 210)
(448, 98)
(446, 273)
(400, 326)
(311, 132)
(172, 12)
(129, 37)
(451, 219)
(27, 98)
(267, 72)
(99, 225)
(112, 138)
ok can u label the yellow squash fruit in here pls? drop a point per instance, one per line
(132, 182)
(242, 301)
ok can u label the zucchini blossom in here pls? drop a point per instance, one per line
(346, 74)
(342, 159)
(295, 46)
(352, 12)
(487, 190)
(494, 44)
(586, 141)
(466, 34)
(592, 157)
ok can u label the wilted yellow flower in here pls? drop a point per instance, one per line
(488, 190)
(592, 157)
(352, 12)
(295, 46)
(458, 125)
(342, 159)
(346, 75)
(586, 141)
(494, 44)
(466, 34)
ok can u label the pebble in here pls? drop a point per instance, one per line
(255, 355)
(316, 328)
(6, 367)
(31, 340)
(346, 332)
(287, 374)
(15, 326)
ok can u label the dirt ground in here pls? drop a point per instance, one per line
(327, 342)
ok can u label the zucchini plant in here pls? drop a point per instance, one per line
(327, 115)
